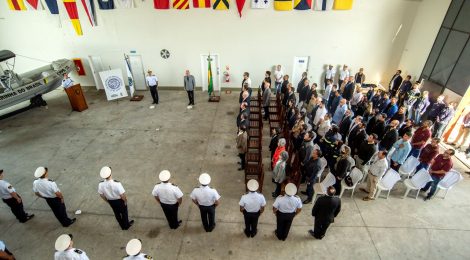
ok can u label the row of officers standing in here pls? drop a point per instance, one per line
(169, 196)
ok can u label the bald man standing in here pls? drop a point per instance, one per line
(189, 85)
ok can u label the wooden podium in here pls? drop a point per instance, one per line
(76, 98)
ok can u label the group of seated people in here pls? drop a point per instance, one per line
(350, 126)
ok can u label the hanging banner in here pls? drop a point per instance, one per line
(125, 3)
(33, 3)
(113, 84)
(71, 7)
(161, 4)
(181, 4)
(343, 4)
(221, 4)
(240, 5)
(260, 4)
(106, 4)
(323, 5)
(283, 5)
(302, 4)
(16, 5)
(53, 7)
(89, 7)
(130, 78)
(201, 3)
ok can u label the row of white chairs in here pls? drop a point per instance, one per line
(389, 179)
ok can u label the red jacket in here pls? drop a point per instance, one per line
(277, 153)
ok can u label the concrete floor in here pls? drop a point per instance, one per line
(139, 142)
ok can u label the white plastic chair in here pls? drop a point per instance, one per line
(356, 176)
(320, 188)
(323, 164)
(389, 155)
(417, 182)
(449, 181)
(408, 167)
(387, 182)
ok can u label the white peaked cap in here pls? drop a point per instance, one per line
(291, 189)
(39, 172)
(62, 242)
(133, 246)
(205, 179)
(164, 175)
(105, 172)
(252, 185)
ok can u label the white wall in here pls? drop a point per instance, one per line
(361, 37)
(428, 20)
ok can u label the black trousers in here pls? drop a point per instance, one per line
(208, 217)
(251, 222)
(120, 212)
(320, 228)
(284, 221)
(171, 214)
(59, 210)
(339, 83)
(191, 96)
(17, 209)
(242, 160)
(438, 129)
(154, 93)
(266, 112)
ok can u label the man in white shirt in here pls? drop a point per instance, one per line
(376, 171)
(65, 250)
(207, 199)
(330, 74)
(152, 82)
(328, 88)
(252, 206)
(320, 112)
(13, 200)
(170, 198)
(67, 82)
(48, 190)
(133, 250)
(246, 80)
(286, 208)
(343, 74)
(113, 193)
(278, 75)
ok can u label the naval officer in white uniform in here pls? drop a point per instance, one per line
(170, 198)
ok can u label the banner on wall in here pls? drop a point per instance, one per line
(113, 84)
(181, 4)
(79, 66)
(89, 7)
(16, 5)
(125, 3)
(106, 4)
(323, 5)
(52, 6)
(302, 4)
(283, 5)
(260, 4)
(71, 7)
(161, 4)
(343, 4)
(221, 5)
(201, 3)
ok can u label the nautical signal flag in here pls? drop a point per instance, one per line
(161, 4)
(79, 67)
(89, 7)
(260, 4)
(221, 5)
(71, 7)
(33, 3)
(240, 5)
(302, 4)
(181, 4)
(323, 5)
(16, 5)
(283, 5)
(52, 5)
(106, 4)
(343, 4)
(201, 3)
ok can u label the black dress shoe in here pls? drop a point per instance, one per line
(311, 233)
(254, 234)
(241, 169)
(304, 192)
(71, 222)
(28, 217)
(307, 201)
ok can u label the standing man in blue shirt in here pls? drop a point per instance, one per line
(402, 149)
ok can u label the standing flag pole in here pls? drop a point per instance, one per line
(210, 82)
(130, 78)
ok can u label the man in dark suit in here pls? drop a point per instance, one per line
(395, 83)
(325, 210)
(390, 136)
(334, 102)
(345, 124)
(349, 89)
